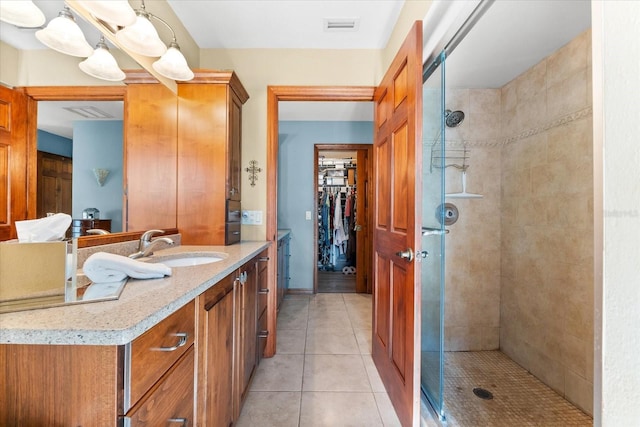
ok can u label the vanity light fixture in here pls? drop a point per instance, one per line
(116, 12)
(23, 13)
(63, 35)
(102, 65)
(173, 64)
(142, 37)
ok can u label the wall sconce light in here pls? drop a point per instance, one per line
(253, 170)
(101, 175)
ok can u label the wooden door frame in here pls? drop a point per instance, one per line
(276, 94)
(368, 148)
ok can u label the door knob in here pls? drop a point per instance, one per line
(406, 254)
(357, 227)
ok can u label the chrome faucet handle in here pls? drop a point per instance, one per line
(147, 235)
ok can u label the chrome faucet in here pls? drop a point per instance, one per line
(147, 245)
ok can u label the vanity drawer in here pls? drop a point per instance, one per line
(149, 356)
(232, 231)
(171, 400)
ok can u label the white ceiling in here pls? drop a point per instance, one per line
(510, 38)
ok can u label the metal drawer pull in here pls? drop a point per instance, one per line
(183, 340)
(235, 233)
(182, 421)
(263, 291)
(263, 259)
(263, 334)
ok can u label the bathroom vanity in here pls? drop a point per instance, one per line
(180, 350)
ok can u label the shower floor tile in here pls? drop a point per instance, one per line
(519, 398)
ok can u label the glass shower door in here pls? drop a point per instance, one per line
(432, 255)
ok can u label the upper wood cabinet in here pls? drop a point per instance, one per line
(150, 147)
(209, 154)
(183, 154)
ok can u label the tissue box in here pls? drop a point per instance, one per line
(28, 269)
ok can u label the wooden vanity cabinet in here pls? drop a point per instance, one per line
(216, 322)
(263, 296)
(247, 329)
(153, 353)
(209, 155)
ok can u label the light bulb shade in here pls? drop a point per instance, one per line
(141, 38)
(173, 65)
(117, 12)
(102, 65)
(64, 35)
(22, 13)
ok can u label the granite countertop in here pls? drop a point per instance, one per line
(142, 304)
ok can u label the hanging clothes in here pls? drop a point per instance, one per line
(339, 236)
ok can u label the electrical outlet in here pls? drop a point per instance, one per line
(307, 215)
(252, 217)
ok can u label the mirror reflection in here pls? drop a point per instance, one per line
(80, 163)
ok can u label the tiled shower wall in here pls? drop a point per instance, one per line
(519, 261)
(547, 222)
(472, 260)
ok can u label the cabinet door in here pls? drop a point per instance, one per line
(15, 171)
(170, 402)
(262, 330)
(216, 354)
(248, 326)
(151, 151)
(234, 149)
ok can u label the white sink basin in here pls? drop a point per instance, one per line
(188, 259)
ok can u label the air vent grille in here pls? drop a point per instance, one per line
(341, 24)
(89, 112)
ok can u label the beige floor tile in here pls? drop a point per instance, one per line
(270, 409)
(387, 413)
(363, 337)
(329, 320)
(372, 373)
(331, 341)
(360, 317)
(339, 410)
(335, 373)
(293, 316)
(291, 341)
(283, 372)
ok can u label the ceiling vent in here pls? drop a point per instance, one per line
(341, 24)
(89, 112)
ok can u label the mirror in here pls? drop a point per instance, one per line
(81, 140)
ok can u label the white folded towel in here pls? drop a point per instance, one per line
(103, 267)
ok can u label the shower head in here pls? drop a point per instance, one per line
(453, 118)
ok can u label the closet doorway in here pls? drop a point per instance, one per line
(342, 238)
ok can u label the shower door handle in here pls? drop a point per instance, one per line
(406, 254)
(428, 231)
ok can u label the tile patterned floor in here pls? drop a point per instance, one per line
(322, 374)
(519, 398)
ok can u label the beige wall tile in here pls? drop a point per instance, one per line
(579, 391)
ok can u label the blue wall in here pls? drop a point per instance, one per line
(54, 144)
(98, 144)
(297, 187)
